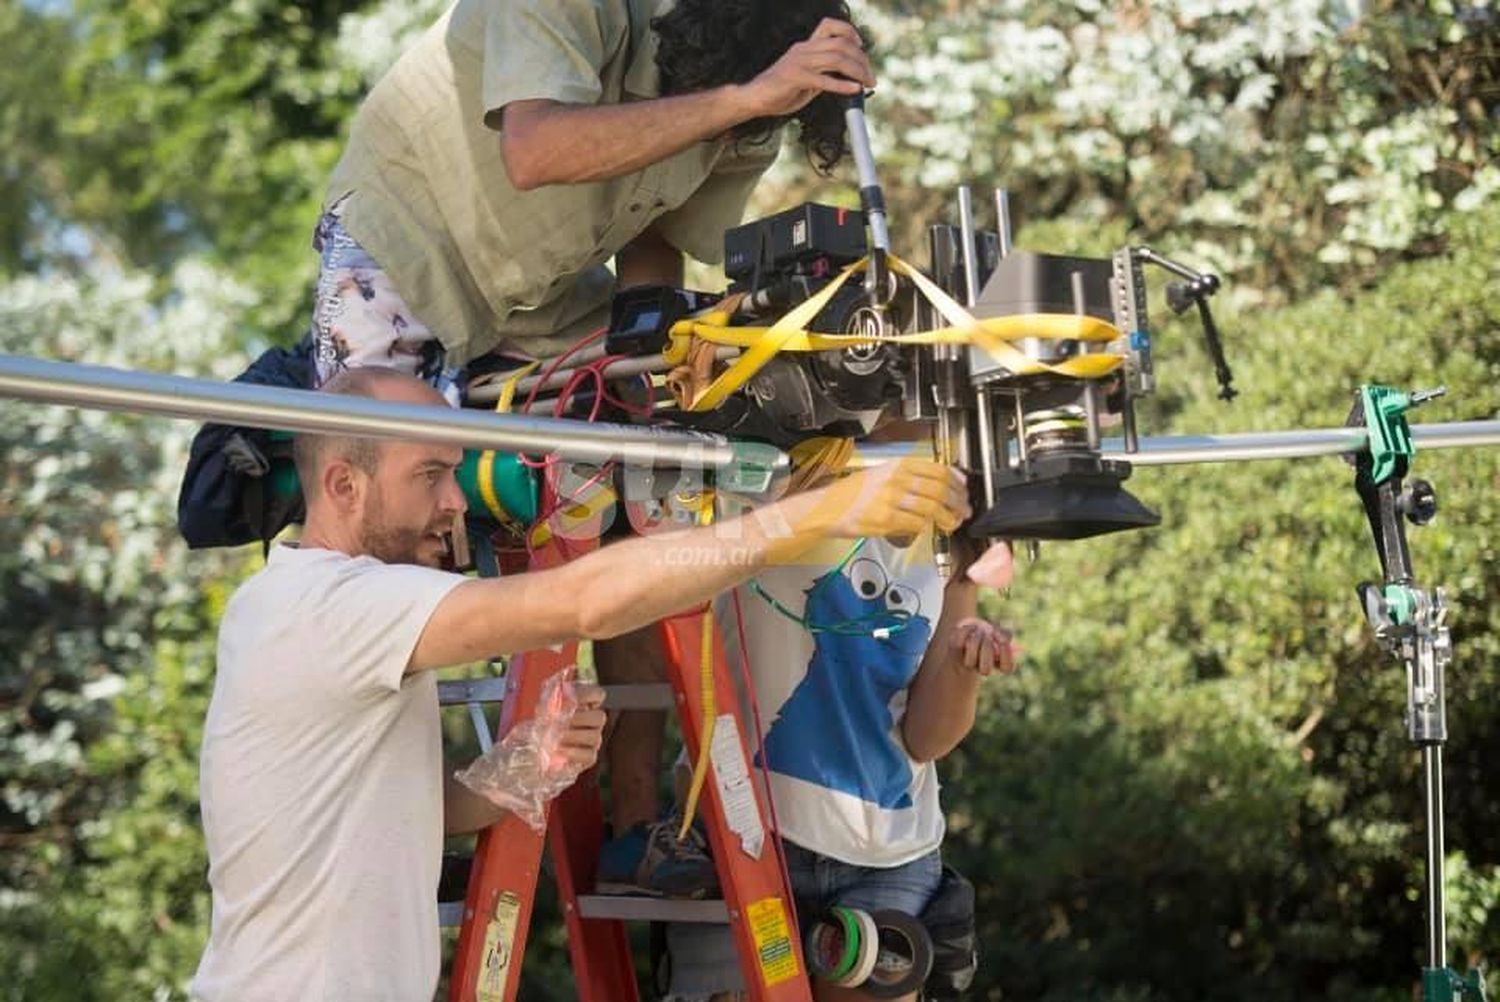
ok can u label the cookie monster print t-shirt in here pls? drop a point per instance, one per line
(832, 695)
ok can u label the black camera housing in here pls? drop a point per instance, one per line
(811, 237)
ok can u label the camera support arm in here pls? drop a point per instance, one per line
(1194, 290)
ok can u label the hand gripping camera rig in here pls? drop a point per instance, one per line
(1019, 380)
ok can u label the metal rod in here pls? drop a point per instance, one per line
(983, 415)
(104, 388)
(983, 419)
(1176, 450)
(970, 243)
(490, 392)
(864, 165)
(1090, 388)
(1021, 454)
(1432, 797)
(1181, 450)
(1002, 220)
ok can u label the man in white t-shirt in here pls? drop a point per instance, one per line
(324, 796)
(866, 667)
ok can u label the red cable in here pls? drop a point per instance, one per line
(557, 363)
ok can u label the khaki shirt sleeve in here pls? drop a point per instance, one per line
(696, 227)
(552, 50)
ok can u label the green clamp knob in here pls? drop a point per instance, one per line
(1401, 604)
(1385, 421)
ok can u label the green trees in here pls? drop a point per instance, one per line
(106, 647)
(1200, 786)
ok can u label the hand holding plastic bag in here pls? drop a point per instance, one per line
(539, 758)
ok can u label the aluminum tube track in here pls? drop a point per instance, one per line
(1250, 446)
(103, 388)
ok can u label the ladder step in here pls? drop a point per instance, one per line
(635, 696)
(632, 909)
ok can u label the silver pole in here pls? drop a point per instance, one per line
(970, 242)
(103, 388)
(1002, 220)
(1250, 446)
(864, 166)
(1176, 450)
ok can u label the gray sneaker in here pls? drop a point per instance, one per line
(649, 859)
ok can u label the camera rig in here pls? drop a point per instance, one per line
(1019, 381)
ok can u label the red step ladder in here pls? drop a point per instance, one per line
(757, 902)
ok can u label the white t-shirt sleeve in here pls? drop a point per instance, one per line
(371, 617)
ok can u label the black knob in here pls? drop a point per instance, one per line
(1419, 502)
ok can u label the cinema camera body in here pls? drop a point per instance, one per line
(1025, 419)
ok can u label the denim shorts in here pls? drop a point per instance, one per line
(703, 960)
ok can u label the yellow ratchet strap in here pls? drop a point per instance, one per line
(706, 681)
(816, 459)
(993, 334)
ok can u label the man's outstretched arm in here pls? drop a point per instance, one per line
(639, 581)
(552, 142)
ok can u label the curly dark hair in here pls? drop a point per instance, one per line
(709, 43)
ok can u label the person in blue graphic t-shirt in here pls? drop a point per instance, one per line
(867, 668)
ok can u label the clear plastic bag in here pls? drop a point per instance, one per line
(528, 767)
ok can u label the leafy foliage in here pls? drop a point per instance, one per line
(1290, 143)
(1201, 785)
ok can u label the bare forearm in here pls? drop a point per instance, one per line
(648, 260)
(941, 707)
(546, 142)
(640, 581)
(465, 811)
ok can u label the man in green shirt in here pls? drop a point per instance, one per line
(520, 145)
(515, 150)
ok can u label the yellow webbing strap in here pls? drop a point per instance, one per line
(993, 334)
(485, 468)
(706, 680)
(815, 459)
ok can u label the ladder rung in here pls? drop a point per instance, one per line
(638, 696)
(455, 692)
(635, 696)
(610, 906)
(450, 914)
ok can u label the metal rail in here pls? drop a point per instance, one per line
(1243, 447)
(1177, 450)
(104, 388)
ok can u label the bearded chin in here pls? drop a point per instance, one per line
(393, 546)
(387, 543)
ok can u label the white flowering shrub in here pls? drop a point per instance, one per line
(1293, 141)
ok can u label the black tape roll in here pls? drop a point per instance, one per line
(903, 956)
(949, 919)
